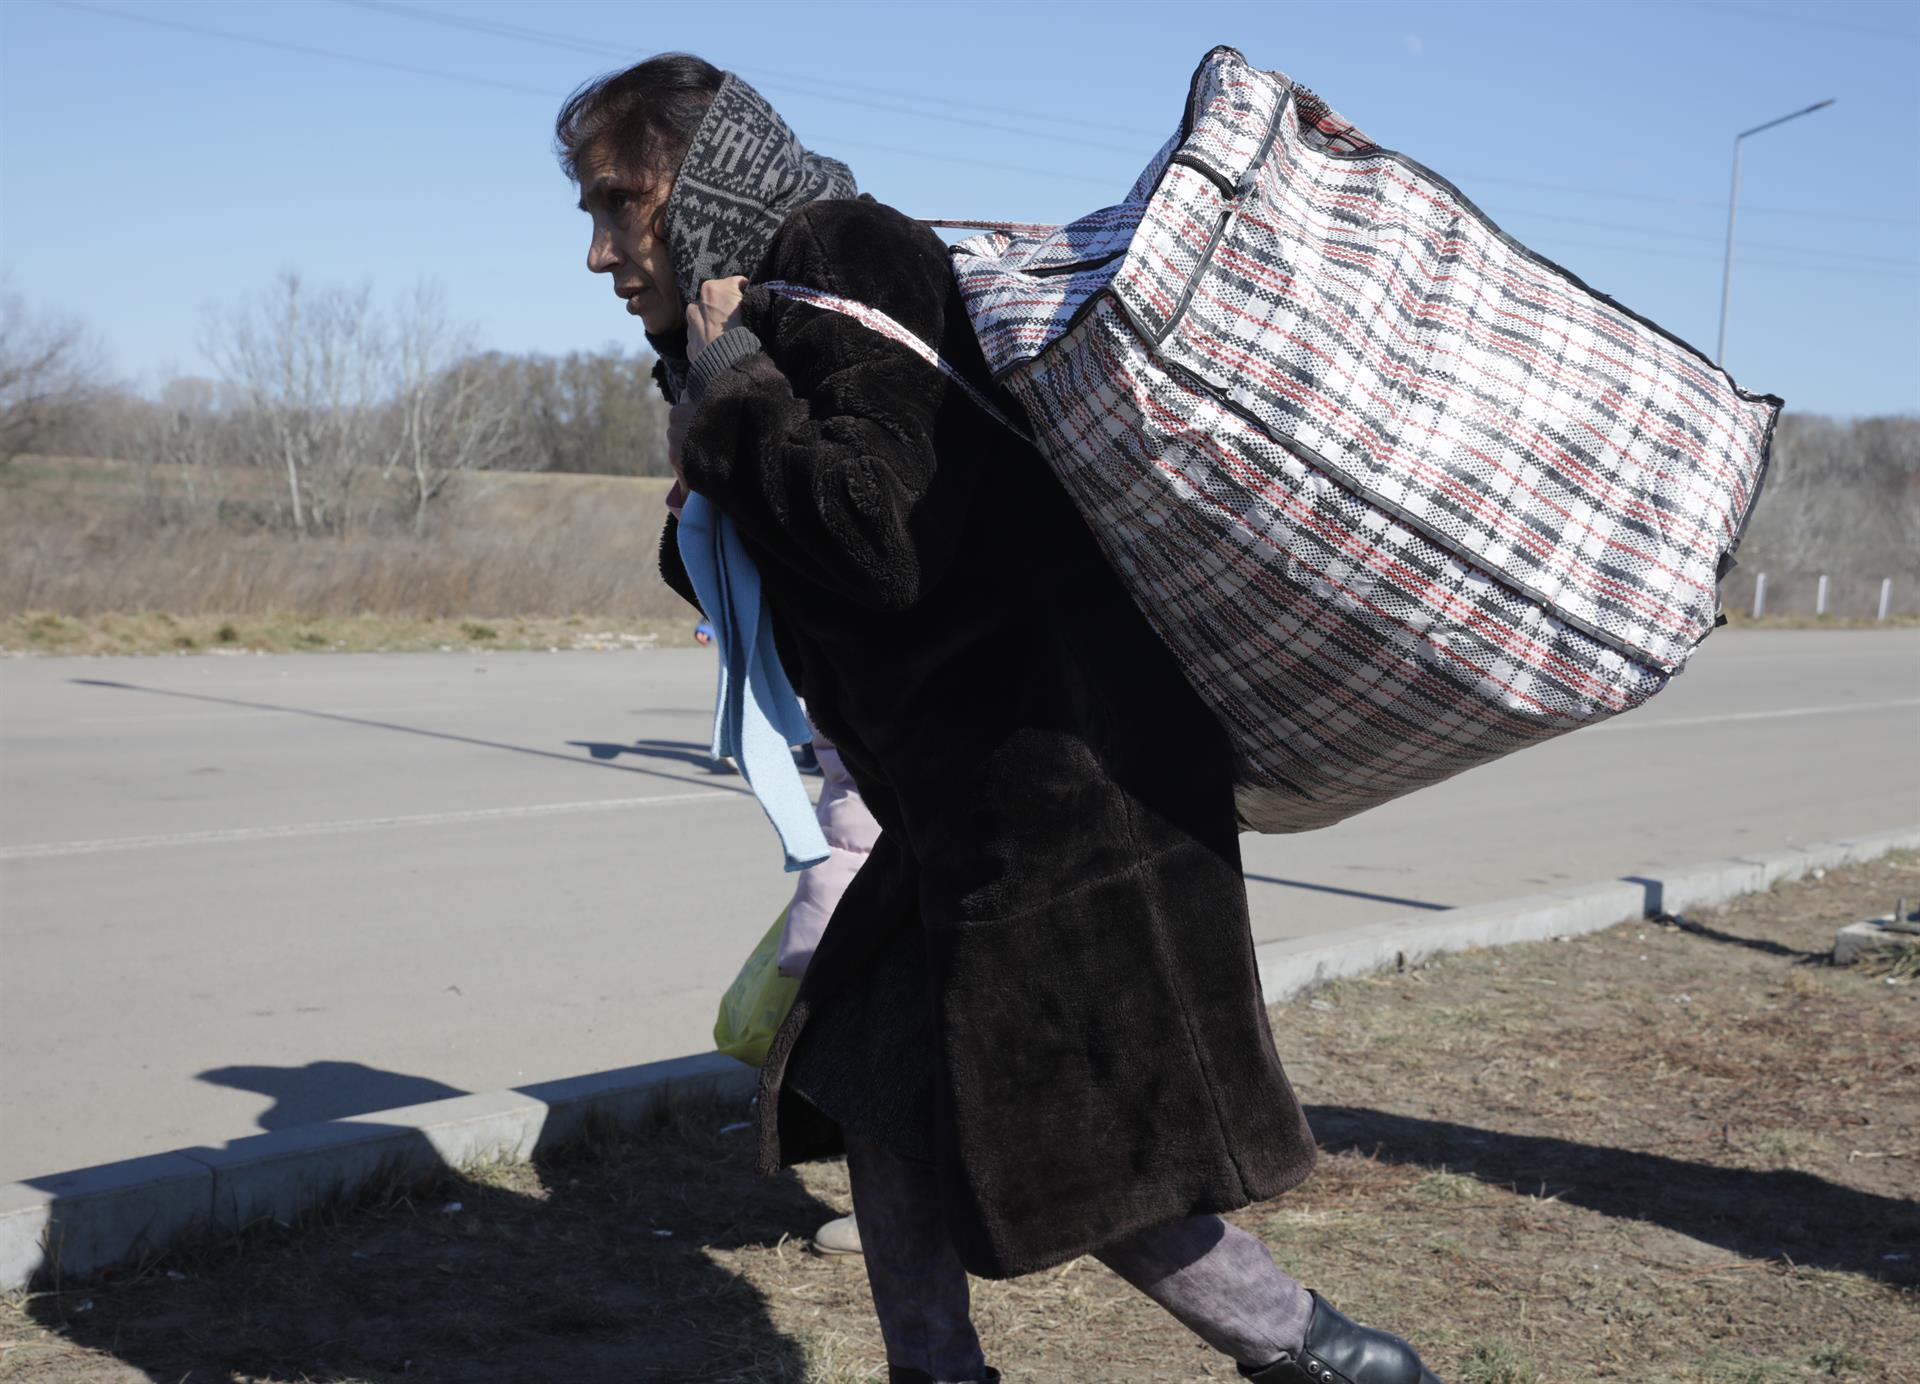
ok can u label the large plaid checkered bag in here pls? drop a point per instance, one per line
(1400, 494)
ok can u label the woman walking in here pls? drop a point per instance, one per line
(1034, 1024)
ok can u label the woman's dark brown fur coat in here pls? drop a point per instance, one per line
(1042, 980)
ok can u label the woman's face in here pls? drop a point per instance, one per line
(625, 213)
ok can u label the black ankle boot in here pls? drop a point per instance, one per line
(1339, 1351)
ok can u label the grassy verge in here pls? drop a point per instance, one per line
(155, 632)
(82, 540)
(1675, 1153)
(150, 632)
(1894, 620)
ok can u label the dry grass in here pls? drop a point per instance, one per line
(109, 557)
(81, 539)
(152, 632)
(1895, 619)
(1680, 1153)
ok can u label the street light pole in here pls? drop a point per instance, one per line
(1733, 208)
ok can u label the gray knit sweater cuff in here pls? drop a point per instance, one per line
(731, 347)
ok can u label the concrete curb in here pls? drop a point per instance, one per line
(78, 1223)
(1291, 967)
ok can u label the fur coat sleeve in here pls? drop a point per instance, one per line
(843, 486)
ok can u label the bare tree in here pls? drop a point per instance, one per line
(309, 369)
(186, 434)
(592, 411)
(451, 418)
(49, 367)
(1842, 496)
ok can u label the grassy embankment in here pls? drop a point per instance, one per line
(1680, 1152)
(87, 565)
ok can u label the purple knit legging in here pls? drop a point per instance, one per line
(1218, 1280)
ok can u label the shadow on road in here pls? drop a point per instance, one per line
(682, 751)
(1759, 1215)
(328, 1090)
(1348, 893)
(595, 762)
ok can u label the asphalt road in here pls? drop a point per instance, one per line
(247, 892)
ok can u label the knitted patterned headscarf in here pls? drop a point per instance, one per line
(743, 175)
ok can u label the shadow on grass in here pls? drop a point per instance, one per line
(1760, 1215)
(599, 1261)
(1759, 944)
(1654, 908)
(608, 1260)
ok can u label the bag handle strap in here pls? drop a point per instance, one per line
(875, 320)
(1010, 227)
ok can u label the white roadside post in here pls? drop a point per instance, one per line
(1820, 596)
(1886, 597)
(1759, 595)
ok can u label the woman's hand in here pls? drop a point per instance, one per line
(718, 309)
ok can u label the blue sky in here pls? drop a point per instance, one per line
(151, 170)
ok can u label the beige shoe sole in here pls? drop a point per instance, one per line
(837, 1239)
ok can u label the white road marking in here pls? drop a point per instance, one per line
(336, 828)
(340, 828)
(1754, 715)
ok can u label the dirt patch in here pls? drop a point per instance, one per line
(1682, 1152)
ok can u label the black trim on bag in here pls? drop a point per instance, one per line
(1468, 208)
(1467, 204)
(1189, 117)
(1760, 478)
(1053, 271)
(1193, 281)
(1207, 171)
(1092, 300)
(1472, 208)
(1341, 477)
(1234, 193)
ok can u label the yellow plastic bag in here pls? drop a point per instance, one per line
(756, 1003)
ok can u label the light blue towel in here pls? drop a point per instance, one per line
(756, 717)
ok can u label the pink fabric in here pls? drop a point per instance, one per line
(850, 831)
